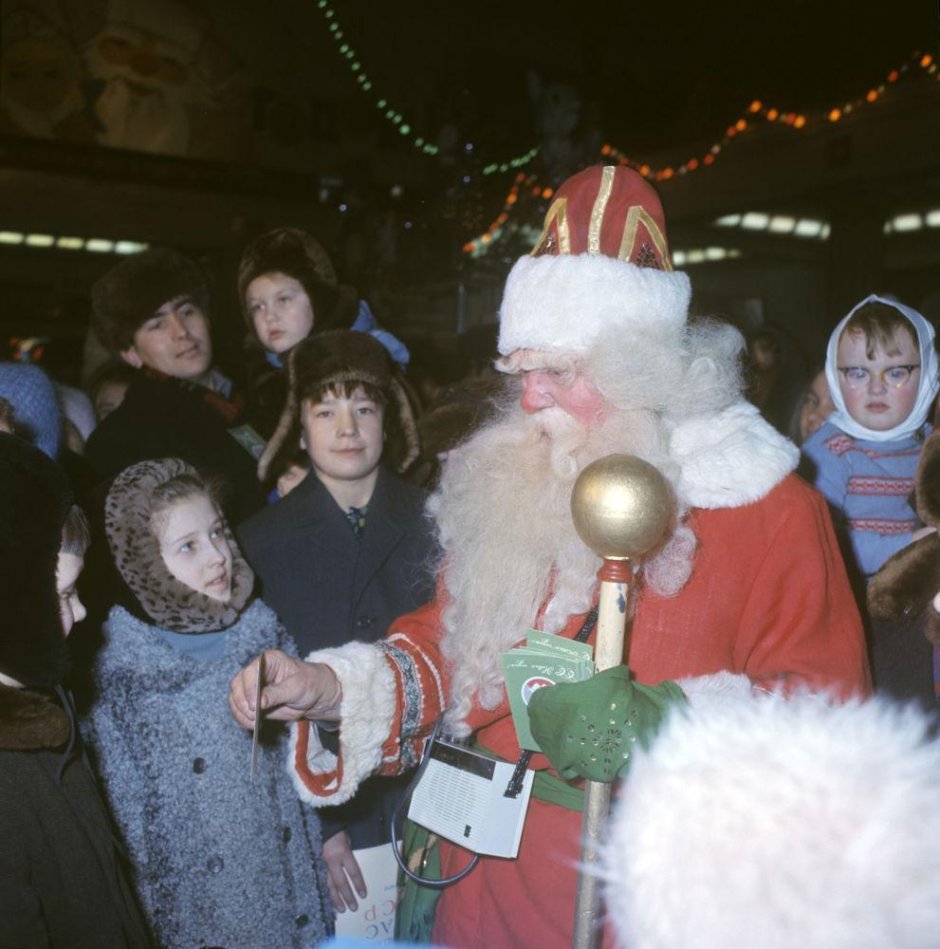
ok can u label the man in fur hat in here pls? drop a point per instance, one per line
(747, 592)
(151, 311)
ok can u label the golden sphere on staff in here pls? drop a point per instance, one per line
(621, 507)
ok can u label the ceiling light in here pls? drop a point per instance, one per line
(755, 220)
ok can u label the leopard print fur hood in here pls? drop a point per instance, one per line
(136, 550)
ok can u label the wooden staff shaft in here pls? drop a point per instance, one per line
(615, 577)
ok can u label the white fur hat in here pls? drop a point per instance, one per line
(785, 824)
(602, 262)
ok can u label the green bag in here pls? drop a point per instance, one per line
(589, 729)
(414, 917)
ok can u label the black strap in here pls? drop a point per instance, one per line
(400, 808)
(513, 788)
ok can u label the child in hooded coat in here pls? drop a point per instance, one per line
(881, 367)
(222, 858)
(63, 882)
(288, 289)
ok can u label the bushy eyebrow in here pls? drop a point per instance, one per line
(533, 360)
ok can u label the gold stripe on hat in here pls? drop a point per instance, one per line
(597, 212)
(558, 212)
(639, 215)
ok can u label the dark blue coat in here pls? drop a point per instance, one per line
(329, 587)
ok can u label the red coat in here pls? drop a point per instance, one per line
(768, 598)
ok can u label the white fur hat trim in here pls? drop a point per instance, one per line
(565, 302)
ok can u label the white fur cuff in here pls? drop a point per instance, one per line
(366, 712)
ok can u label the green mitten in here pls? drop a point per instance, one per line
(588, 729)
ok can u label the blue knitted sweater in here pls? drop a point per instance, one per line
(869, 486)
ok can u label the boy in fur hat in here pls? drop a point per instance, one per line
(152, 312)
(748, 591)
(62, 880)
(288, 289)
(349, 549)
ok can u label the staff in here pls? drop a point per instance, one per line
(621, 507)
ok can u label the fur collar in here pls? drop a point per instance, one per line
(729, 459)
(30, 721)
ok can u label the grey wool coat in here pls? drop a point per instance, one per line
(220, 859)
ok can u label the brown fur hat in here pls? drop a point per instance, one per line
(34, 501)
(349, 359)
(907, 583)
(456, 413)
(136, 288)
(293, 252)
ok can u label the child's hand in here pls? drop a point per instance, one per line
(293, 690)
(343, 870)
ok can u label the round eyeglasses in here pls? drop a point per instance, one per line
(857, 377)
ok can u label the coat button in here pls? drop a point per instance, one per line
(286, 834)
(199, 765)
(302, 920)
(364, 622)
(215, 865)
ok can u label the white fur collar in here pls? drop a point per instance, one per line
(731, 458)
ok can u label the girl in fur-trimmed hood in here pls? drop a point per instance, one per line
(220, 856)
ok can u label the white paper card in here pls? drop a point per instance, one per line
(374, 920)
(461, 797)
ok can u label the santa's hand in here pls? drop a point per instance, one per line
(292, 690)
(343, 873)
(590, 729)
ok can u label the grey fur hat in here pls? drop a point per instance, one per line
(136, 550)
(136, 288)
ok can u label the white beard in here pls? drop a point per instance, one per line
(510, 546)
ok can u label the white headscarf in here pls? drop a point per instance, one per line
(927, 387)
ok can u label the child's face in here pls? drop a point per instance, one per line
(280, 311)
(343, 436)
(816, 407)
(71, 609)
(174, 341)
(194, 548)
(876, 401)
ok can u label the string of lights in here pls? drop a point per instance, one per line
(755, 111)
(346, 50)
(758, 110)
(479, 245)
(363, 80)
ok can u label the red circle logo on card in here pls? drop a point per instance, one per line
(532, 685)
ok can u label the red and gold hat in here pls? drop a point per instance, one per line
(602, 262)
